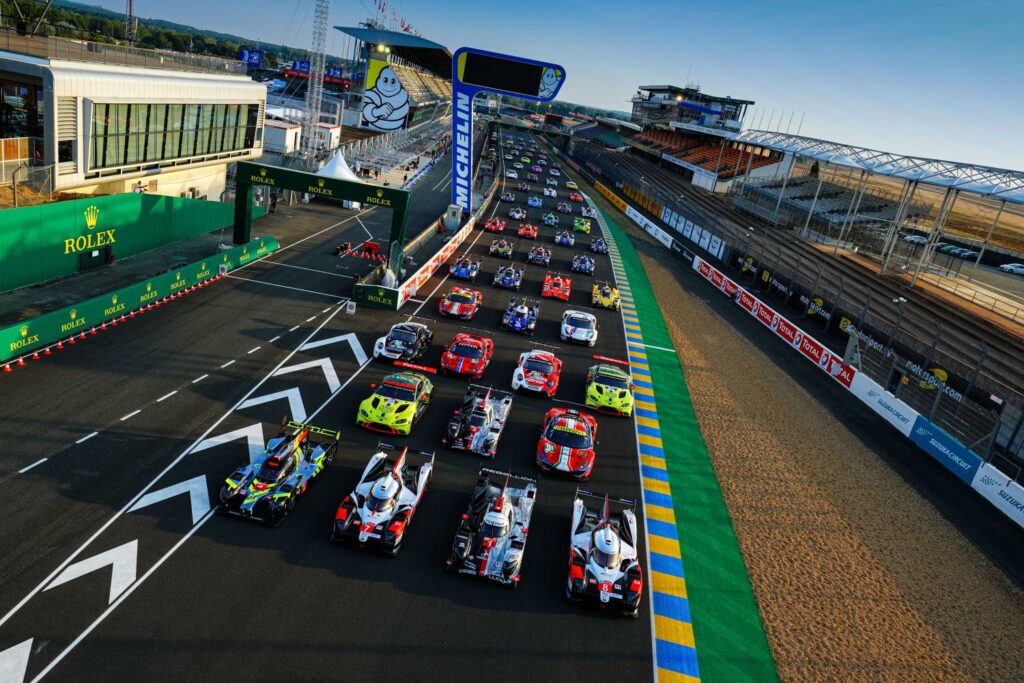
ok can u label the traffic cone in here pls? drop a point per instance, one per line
(47, 351)
(93, 332)
(122, 317)
(104, 325)
(113, 322)
(82, 336)
(21, 360)
(132, 314)
(60, 343)
(35, 355)
(71, 340)
(7, 367)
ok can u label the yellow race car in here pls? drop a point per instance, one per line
(571, 185)
(610, 389)
(604, 295)
(396, 404)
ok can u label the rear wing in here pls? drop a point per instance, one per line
(510, 475)
(297, 427)
(629, 503)
(428, 456)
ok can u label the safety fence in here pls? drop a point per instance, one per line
(29, 339)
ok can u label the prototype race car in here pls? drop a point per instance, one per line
(508, 197)
(535, 201)
(581, 225)
(502, 248)
(494, 225)
(508, 277)
(539, 255)
(579, 327)
(565, 239)
(537, 371)
(467, 354)
(575, 197)
(581, 263)
(528, 231)
(551, 181)
(464, 268)
(550, 192)
(477, 425)
(460, 302)
(564, 207)
(609, 389)
(533, 177)
(491, 536)
(603, 566)
(380, 509)
(604, 295)
(588, 211)
(405, 341)
(520, 316)
(396, 404)
(567, 442)
(556, 286)
(523, 186)
(517, 213)
(569, 184)
(599, 246)
(550, 219)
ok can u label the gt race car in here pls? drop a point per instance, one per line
(581, 263)
(565, 239)
(539, 255)
(604, 295)
(550, 192)
(579, 327)
(405, 341)
(512, 175)
(603, 566)
(508, 277)
(535, 201)
(266, 489)
(520, 316)
(609, 389)
(576, 197)
(380, 508)
(527, 231)
(599, 246)
(569, 184)
(491, 537)
(396, 404)
(550, 219)
(536, 169)
(537, 372)
(467, 354)
(460, 302)
(494, 225)
(581, 225)
(502, 248)
(567, 442)
(476, 426)
(556, 286)
(517, 213)
(464, 268)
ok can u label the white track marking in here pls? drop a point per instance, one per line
(198, 496)
(123, 561)
(294, 289)
(325, 310)
(89, 436)
(292, 329)
(351, 338)
(131, 415)
(651, 346)
(253, 350)
(307, 237)
(227, 364)
(296, 408)
(274, 339)
(23, 470)
(310, 318)
(199, 379)
(323, 363)
(367, 230)
(312, 270)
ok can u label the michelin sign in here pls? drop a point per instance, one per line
(475, 71)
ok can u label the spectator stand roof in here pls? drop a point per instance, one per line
(424, 53)
(997, 183)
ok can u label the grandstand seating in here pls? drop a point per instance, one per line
(699, 151)
(422, 86)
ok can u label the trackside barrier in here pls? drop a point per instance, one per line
(50, 330)
(996, 487)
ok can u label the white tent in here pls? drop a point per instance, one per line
(338, 168)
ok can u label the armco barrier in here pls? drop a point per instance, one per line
(954, 455)
(1001, 491)
(51, 328)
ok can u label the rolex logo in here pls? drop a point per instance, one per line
(177, 276)
(263, 172)
(380, 193)
(113, 299)
(320, 182)
(24, 330)
(149, 286)
(92, 216)
(74, 314)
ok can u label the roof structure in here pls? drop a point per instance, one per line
(424, 53)
(692, 92)
(997, 183)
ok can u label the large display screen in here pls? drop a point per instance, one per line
(501, 74)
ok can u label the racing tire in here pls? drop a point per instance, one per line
(635, 614)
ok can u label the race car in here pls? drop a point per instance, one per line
(581, 225)
(517, 213)
(477, 425)
(579, 327)
(495, 225)
(508, 197)
(567, 442)
(467, 354)
(533, 177)
(267, 487)
(405, 341)
(556, 286)
(491, 537)
(603, 566)
(581, 263)
(380, 509)
(588, 211)
(599, 246)
(550, 219)
(576, 197)
(508, 277)
(464, 268)
(512, 175)
(609, 389)
(524, 187)
(604, 295)
(550, 192)
(517, 165)
(528, 231)
(536, 169)
(535, 201)
(554, 172)
(460, 302)
(564, 207)
(539, 255)
(502, 248)
(565, 239)
(570, 185)
(396, 404)
(520, 316)
(542, 161)
(551, 181)
(537, 371)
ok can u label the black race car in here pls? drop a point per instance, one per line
(405, 341)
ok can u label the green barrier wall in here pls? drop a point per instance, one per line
(43, 242)
(29, 335)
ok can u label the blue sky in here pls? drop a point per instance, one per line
(939, 79)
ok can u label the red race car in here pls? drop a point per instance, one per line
(557, 286)
(567, 442)
(467, 354)
(576, 197)
(495, 225)
(537, 371)
(460, 302)
(528, 231)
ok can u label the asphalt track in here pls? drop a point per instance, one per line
(189, 595)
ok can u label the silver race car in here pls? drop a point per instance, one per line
(491, 537)
(477, 425)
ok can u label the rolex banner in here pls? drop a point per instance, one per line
(30, 335)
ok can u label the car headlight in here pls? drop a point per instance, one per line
(363, 413)
(591, 334)
(402, 421)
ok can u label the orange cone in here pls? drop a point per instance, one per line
(82, 336)
(93, 330)
(71, 340)
(21, 360)
(7, 367)
(35, 355)
(104, 325)
(60, 343)
(47, 351)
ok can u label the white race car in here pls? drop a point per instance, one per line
(477, 425)
(579, 327)
(550, 192)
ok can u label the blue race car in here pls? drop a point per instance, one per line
(599, 246)
(465, 268)
(581, 263)
(509, 277)
(539, 255)
(565, 239)
(520, 316)
(535, 202)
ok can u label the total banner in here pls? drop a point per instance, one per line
(950, 453)
(1001, 491)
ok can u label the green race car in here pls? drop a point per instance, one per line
(609, 389)
(396, 404)
(581, 225)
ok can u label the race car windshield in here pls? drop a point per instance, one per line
(459, 298)
(396, 392)
(375, 504)
(477, 418)
(467, 351)
(613, 381)
(489, 530)
(575, 437)
(464, 263)
(583, 323)
(402, 335)
(538, 366)
(603, 559)
(272, 471)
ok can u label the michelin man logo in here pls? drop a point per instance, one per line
(386, 104)
(549, 82)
